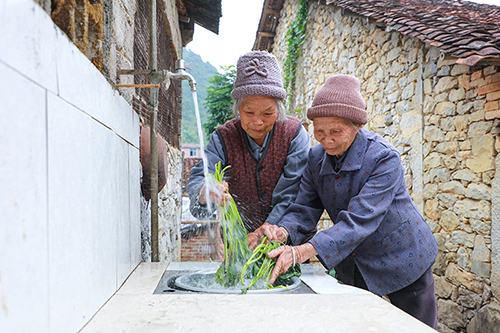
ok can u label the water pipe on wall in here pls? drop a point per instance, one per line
(153, 114)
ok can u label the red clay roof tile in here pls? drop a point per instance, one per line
(462, 29)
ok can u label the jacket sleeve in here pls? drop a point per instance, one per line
(288, 185)
(302, 216)
(214, 154)
(366, 210)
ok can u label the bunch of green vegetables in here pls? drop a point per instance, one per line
(240, 263)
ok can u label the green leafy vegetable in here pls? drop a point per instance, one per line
(241, 265)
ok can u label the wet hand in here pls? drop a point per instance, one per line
(253, 240)
(272, 232)
(218, 193)
(283, 263)
(288, 256)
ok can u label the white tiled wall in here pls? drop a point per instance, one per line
(69, 178)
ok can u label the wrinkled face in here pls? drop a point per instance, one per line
(334, 134)
(257, 115)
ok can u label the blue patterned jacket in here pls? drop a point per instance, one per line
(376, 225)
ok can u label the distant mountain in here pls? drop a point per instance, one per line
(202, 72)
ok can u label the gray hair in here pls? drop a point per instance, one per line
(279, 105)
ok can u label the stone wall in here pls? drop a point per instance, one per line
(169, 213)
(442, 119)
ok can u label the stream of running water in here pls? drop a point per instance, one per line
(208, 183)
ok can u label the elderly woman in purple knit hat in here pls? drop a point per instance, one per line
(379, 241)
(266, 149)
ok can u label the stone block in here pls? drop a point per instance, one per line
(472, 209)
(489, 70)
(480, 128)
(454, 187)
(442, 287)
(490, 115)
(447, 148)
(408, 91)
(464, 82)
(457, 94)
(449, 220)
(443, 70)
(445, 83)
(460, 237)
(479, 226)
(430, 191)
(480, 163)
(459, 69)
(446, 108)
(480, 252)
(476, 75)
(461, 122)
(491, 106)
(450, 314)
(470, 94)
(478, 115)
(478, 191)
(482, 145)
(462, 258)
(433, 133)
(431, 209)
(487, 319)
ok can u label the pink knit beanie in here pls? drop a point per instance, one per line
(258, 74)
(339, 97)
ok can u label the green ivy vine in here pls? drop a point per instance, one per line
(295, 37)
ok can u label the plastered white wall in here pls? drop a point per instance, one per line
(69, 178)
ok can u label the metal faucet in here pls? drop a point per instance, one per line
(181, 74)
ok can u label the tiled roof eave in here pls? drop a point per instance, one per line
(464, 32)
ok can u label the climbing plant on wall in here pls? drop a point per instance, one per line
(295, 39)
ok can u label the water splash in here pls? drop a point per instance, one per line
(208, 183)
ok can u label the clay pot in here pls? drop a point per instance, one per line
(145, 157)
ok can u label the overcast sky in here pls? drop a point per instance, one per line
(237, 29)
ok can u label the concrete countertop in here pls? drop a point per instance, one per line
(335, 308)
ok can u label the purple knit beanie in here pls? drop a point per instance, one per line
(258, 74)
(339, 97)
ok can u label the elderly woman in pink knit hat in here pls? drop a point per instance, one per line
(266, 149)
(379, 241)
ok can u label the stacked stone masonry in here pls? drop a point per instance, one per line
(442, 118)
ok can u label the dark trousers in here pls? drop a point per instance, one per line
(418, 299)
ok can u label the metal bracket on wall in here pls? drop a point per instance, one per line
(156, 78)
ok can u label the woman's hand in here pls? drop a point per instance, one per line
(218, 193)
(253, 240)
(288, 256)
(272, 232)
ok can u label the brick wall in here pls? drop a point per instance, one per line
(487, 81)
(199, 242)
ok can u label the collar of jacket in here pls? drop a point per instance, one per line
(353, 159)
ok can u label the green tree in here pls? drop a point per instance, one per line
(202, 72)
(218, 101)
